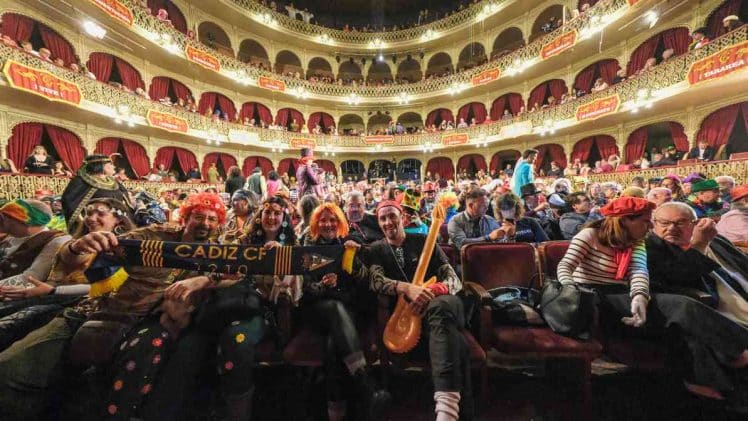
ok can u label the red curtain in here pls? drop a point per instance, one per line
(558, 155)
(313, 120)
(186, 159)
(130, 76)
(227, 161)
(136, 156)
(478, 110)
(227, 106)
(58, 45)
(101, 65)
(164, 156)
(678, 39)
(180, 89)
(643, 52)
(287, 165)
(159, 88)
(264, 113)
(717, 127)
(637, 144)
(729, 7)
(510, 155)
(537, 96)
(25, 137)
(17, 27)
(107, 146)
(557, 88)
(515, 103)
(207, 100)
(608, 69)
(67, 145)
(584, 79)
(476, 160)
(606, 145)
(281, 117)
(438, 115)
(498, 107)
(175, 15)
(251, 162)
(446, 114)
(327, 165)
(255, 110)
(442, 166)
(582, 149)
(680, 140)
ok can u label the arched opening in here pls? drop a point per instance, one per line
(111, 69)
(252, 162)
(166, 87)
(653, 139)
(470, 164)
(604, 69)
(255, 114)
(23, 29)
(215, 37)
(547, 21)
(474, 54)
(223, 162)
(288, 63)
(254, 54)
(213, 104)
(507, 106)
(132, 155)
(327, 166)
(408, 169)
(584, 5)
(353, 170)
(434, 118)
(593, 149)
(409, 70)
(548, 93)
(411, 122)
(351, 124)
(288, 166)
(441, 167)
(378, 123)
(471, 114)
(325, 122)
(174, 15)
(177, 161)
(547, 153)
(714, 22)
(61, 145)
(382, 168)
(725, 130)
(509, 40)
(350, 71)
(440, 64)
(675, 39)
(503, 160)
(290, 118)
(320, 68)
(379, 72)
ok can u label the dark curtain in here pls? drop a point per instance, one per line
(164, 157)
(287, 165)
(17, 27)
(678, 39)
(680, 140)
(585, 78)
(537, 96)
(130, 76)
(498, 157)
(474, 160)
(637, 144)
(251, 162)
(557, 88)
(58, 45)
(180, 89)
(67, 145)
(606, 145)
(175, 15)
(207, 101)
(498, 107)
(227, 106)
(729, 7)
(159, 88)
(255, 110)
(101, 65)
(186, 159)
(558, 155)
(442, 166)
(227, 161)
(136, 156)
(643, 52)
(515, 103)
(25, 137)
(582, 149)
(264, 113)
(608, 70)
(314, 119)
(718, 126)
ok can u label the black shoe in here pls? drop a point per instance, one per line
(375, 401)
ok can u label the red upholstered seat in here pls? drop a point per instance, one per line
(551, 253)
(452, 254)
(495, 265)
(478, 356)
(542, 342)
(443, 234)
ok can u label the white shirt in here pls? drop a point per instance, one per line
(42, 264)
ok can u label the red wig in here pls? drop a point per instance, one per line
(314, 230)
(203, 201)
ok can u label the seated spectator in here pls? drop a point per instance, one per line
(60, 170)
(39, 162)
(732, 23)
(581, 213)
(555, 170)
(600, 85)
(620, 76)
(462, 124)
(520, 228)
(9, 41)
(163, 16)
(473, 225)
(648, 65)
(703, 151)
(667, 54)
(733, 225)
(726, 184)
(659, 195)
(660, 160)
(28, 48)
(707, 202)
(45, 55)
(699, 39)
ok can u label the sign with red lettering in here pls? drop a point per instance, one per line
(116, 10)
(168, 122)
(598, 108)
(379, 139)
(486, 77)
(715, 66)
(202, 58)
(42, 83)
(560, 44)
(271, 84)
(300, 142)
(455, 139)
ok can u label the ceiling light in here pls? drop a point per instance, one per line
(652, 17)
(94, 29)
(380, 57)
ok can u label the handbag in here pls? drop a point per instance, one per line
(568, 309)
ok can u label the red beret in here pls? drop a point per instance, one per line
(625, 206)
(385, 203)
(739, 192)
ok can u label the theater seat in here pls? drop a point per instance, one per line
(542, 342)
(452, 254)
(550, 254)
(443, 234)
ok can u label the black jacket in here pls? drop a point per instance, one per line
(709, 153)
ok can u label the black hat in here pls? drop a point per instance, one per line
(528, 190)
(257, 169)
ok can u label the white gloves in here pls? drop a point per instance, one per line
(638, 311)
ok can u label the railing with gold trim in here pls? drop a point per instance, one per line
(13, 186)
(668, 74)
(735, 168)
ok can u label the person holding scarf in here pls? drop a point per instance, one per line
(610, 257)
(330, 305)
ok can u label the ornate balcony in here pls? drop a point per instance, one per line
(735, 168)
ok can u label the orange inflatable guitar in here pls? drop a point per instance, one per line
(403, 330)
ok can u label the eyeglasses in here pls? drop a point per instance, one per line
(683, 223)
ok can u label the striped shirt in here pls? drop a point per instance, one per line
(589, 262)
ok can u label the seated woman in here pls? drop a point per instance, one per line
(39, 162)
(329, 304)
(518, 228)
(610, 256)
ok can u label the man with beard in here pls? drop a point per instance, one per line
(429, 199)
(734, 224)
(363, 227)
(393, 262)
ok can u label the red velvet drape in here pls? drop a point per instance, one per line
(288, 165)
(207, 101)
(67, 145)
(134, 153)
(497, 107)
(557, 88)
(215, 100)
(175, 15)
(17, 27)
(180, 89)
(584, 79)
(606, 145)
(556, 154)
(255, 110)
(636, 145)
(582, 149)
(438, 115)
(537, 96)
(59, 46)
(441, 165)
(164, 156)
(25, 137)
(515, 103)
(496, 159)
(107, 146)
(643, 52)
(101, 65)
(478, 110)
(227, 106)
(227, 161)
(251, 162)
(287, 116)
(608, 70)
(717, 127)
(679, 137)
(327, 165)
(678, 39)
(729, 7)
(476, 160)
(186, 159)
(323, 119)
(160, 86)
(130, 76)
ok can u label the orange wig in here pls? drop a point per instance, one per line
(314, 230)
(208, 201)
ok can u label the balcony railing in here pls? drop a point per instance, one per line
(665, 75)
(588, 22)
(738, 169)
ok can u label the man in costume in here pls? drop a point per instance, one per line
(393, 261)
(95, 178)
(309, 177)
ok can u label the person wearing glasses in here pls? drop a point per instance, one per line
(582, 212)
(609, 256)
